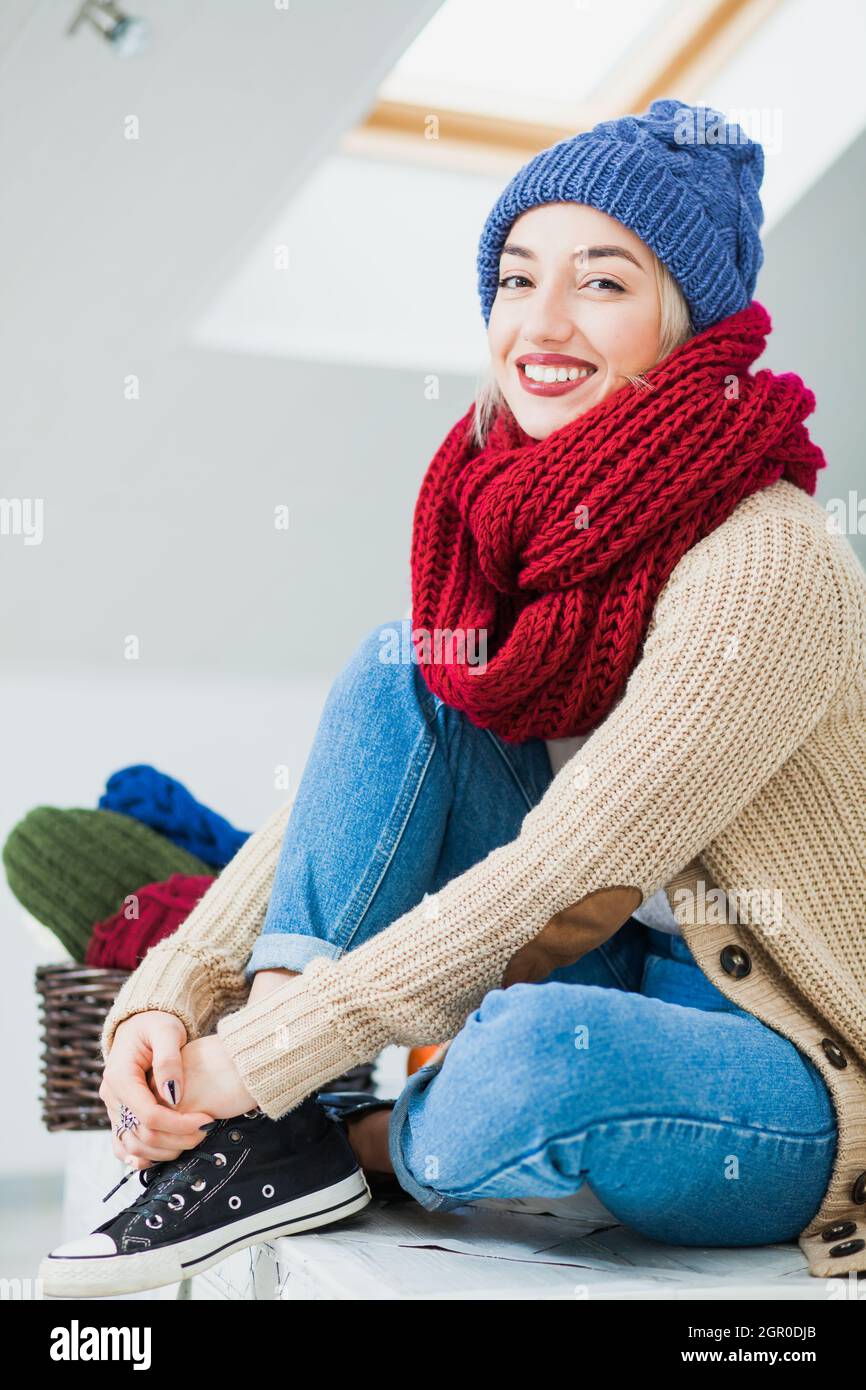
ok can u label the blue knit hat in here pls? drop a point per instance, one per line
(681, 177)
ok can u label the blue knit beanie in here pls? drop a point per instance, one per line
(681, 177)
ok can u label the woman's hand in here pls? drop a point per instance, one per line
(211, 1080)
(145, 1056)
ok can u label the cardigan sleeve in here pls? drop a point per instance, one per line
(197, 972)
(741, 660)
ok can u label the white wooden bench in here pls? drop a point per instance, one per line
(571, 1249)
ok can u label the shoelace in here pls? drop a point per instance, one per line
(145, 1202)
(154, 1171)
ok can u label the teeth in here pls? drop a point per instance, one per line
(536, 372)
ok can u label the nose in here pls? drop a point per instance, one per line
(548, 317)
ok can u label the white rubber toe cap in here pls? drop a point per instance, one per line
(99, 1243)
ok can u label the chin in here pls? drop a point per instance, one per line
(541, 422)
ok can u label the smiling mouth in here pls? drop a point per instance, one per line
(549, 375)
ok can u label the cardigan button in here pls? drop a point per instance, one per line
(848, 1247)
(834, 1053)
(858, 1191)
(838, 1230)
(735, 961)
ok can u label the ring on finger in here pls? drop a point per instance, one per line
(127, 1120)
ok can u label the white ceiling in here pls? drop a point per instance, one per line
(495, 57)
(107, 238)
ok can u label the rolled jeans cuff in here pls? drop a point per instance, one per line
(287, 951)
(412, 1093)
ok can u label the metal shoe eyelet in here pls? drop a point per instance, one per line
(267, 1190)
(235, 1136)
(175, 1201)
(234, 1203)
(220, 1160)
(199, 1185)
(154, 1222)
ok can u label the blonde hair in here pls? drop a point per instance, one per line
(675, 329)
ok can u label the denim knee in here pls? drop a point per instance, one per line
(384, 649)
(532, 1020)
(384, 664)
(366, 657)
(535, 1035)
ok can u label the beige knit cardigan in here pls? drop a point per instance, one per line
(731, 773)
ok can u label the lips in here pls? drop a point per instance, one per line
(553, 373)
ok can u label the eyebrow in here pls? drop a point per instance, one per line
(593, 253)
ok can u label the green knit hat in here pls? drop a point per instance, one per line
(71, 869)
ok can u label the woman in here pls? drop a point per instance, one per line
(649, 693)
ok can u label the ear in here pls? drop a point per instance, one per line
(572, 933)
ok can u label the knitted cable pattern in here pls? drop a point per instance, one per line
(165, 804)
(555, 550)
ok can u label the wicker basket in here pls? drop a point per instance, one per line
(74, 1002)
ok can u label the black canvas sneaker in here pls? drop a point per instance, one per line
(250, 1180)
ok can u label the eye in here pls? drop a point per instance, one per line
(515, 275)
(601, 280)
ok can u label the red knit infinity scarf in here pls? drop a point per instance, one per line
(536, 563)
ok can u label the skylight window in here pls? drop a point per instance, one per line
(508, 58)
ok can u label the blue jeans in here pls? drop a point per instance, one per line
(693, 1122)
